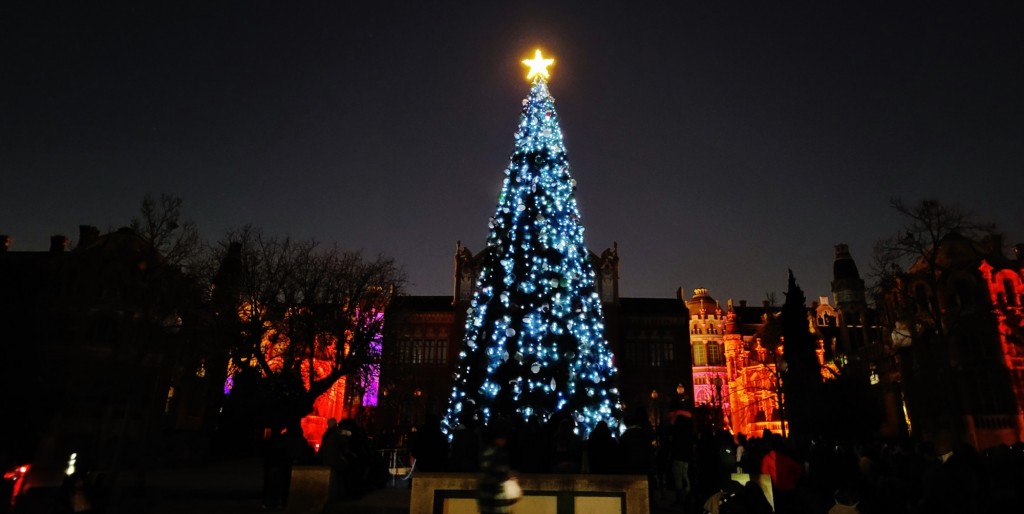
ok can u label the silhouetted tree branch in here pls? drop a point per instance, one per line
(308, 315)
(161, 225)
(915, 249)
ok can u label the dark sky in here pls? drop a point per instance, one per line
(719, 143)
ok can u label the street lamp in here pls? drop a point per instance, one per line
(679, 402)
(655, 411)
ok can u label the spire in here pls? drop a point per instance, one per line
(843, 267)
(731, 326)
(848, 288)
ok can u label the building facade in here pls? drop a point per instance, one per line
(957, 324)
(736, 353)
(98, 358)
(966, 376)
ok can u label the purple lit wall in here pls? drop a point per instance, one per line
(372, 377)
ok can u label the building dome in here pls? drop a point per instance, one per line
(702, 302)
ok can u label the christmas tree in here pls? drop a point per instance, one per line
(534, 342)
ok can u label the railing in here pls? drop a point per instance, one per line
(993, 422)
(774, 426)
(400, 464)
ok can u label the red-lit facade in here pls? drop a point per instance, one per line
(965, 377)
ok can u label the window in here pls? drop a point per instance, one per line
(698, 355)
(642, 354)
(1011, 293)
(714, 354)
(423, 351)
(666, 351)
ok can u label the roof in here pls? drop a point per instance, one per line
(663, 306)
(424, 303)
(844, 267)
(753, 315)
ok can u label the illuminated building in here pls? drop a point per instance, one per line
(304, 345)
(735, 354)
(965, 377)
(339, 401)
(711, 376)
(851, 342)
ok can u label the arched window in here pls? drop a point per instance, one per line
(1011, 293)
(698, 355)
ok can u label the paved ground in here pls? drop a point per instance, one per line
(389, 501)
(235, 487)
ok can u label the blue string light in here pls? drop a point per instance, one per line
(534, 342)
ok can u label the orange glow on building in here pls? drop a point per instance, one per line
(332, 404)
(733, 371)
(754, 386)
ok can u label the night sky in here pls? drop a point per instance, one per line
(719, 143)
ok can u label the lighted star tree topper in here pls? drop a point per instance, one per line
(534, 342)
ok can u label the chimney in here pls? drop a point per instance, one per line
(87, 234)
(5, 242)
(743, 303)
(58, 243)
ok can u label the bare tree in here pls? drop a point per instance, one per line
(916, 249)
(306, 315)
(161, 225)
(938, 349)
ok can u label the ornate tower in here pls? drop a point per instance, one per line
(847, 287)
(707, 346)
(467, 268)
(850, 295)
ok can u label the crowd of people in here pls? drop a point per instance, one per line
(356, 466)
(700, 468)
(897, 477)
(696, 467)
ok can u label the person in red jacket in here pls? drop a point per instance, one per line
(785, 472)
